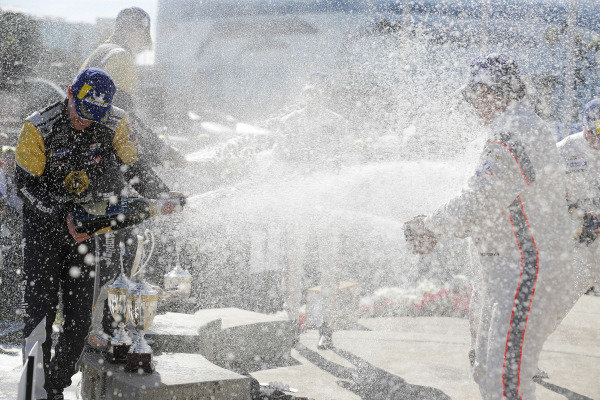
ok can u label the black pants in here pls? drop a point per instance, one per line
(54, 263)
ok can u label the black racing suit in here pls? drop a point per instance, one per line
(58, 167)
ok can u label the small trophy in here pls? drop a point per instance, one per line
(178, 280)
(117, 303)
(142, 302)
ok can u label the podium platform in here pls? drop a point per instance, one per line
(177, 376)
(232, 338)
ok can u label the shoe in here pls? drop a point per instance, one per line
(540, 374)
(325, 337)
(472, 357)
(593, 291)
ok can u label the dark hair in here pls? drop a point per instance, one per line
(504, 76)
(131, 17)
(511, 85)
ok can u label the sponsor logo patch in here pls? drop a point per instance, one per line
(60, 153)
(76, 182)
(131, 136)
(485, 171)
(577, 163)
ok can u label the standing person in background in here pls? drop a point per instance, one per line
(313, 137)
(116, 56)
(313, 237)
(515, 211)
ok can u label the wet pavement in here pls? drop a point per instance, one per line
(426, 358)
(411, 358)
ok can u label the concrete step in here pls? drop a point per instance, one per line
(233, 338)
(185, 333)
(177, 376)
(249, 340)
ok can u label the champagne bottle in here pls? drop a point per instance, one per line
(100, 218)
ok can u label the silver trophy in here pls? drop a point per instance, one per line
(178, 280)
(117, 303)
(142, 302)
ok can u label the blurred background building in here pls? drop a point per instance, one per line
(250, 58)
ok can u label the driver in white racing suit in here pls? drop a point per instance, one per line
(515, 211)
(581, 155)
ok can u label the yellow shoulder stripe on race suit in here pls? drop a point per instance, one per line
(31, 151)
(121, 67)
(125, 142)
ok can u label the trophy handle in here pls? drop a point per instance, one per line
(138, 267)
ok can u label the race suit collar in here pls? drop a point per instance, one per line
(515, 108)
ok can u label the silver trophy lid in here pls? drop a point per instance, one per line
(142, 289)
(178, 273)
(120, 283)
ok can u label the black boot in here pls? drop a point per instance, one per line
(325, 337)
(472, 357)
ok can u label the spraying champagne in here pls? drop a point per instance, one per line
(99, 218)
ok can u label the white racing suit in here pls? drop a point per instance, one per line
(515, 211)
(583, 196)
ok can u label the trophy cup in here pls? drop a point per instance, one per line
(117, 303)
(178, 280)
(142, 302)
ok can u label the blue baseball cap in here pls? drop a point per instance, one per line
(93, 91)
(591, 116)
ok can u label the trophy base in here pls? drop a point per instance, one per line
(137, 361)
(117, 354)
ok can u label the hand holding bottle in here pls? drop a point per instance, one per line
(93, 220)
(174, 203)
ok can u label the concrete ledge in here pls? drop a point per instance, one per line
(185, 333)
(177, 376)
(249, 339)
(229, 337)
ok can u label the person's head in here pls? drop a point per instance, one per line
(591, 123)
(90, 97)
(132, 29)
(317, 90)
(494, 83)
